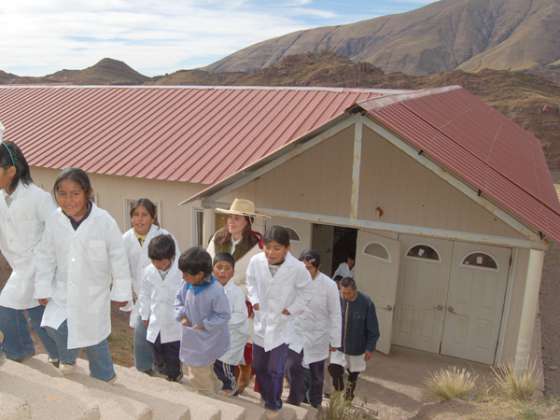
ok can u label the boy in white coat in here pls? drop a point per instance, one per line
(24, 208)
(224, 366)
(278, 290)
(316, 333)
(162, 280)
(81, 267)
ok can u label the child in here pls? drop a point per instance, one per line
(81, 266)
(203, 309)
(224, 367)
(24, 207)
(162, 279)
(278, 290)
(143, 217)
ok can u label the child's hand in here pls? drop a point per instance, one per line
(256, 307)
(185, 321)
(146, 323)
(285, 312)
(199, 327)
(43, 301)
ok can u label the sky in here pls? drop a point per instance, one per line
(39, 37)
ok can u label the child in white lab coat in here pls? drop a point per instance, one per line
(162, 280)
(81, 267)
(24, 207)
(278, 290)
(224, 366)
(145, 227)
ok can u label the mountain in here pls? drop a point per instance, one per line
(450, 34)
(106, 72)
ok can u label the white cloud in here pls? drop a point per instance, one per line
(153, 37)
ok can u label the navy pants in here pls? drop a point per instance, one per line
(269, 369)
(226, 374)
(166, 358)
(297, 374)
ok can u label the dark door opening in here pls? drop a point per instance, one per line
(334, 244)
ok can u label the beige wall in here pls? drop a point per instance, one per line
(319, 181)
(112, 191)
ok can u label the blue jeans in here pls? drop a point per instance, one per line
(18, 344)
(99, 355)
(143, 358)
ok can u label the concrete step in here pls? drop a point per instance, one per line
(289, 412)
(118, 400)
(201, 406)
(113, 402)
(48, 398)
(14, 408)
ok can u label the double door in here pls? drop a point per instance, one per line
(451, 297)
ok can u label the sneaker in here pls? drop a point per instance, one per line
(54, 362)
(113, 380)
(271, 414)
(67, 368)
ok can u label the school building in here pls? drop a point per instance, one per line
(447, 205)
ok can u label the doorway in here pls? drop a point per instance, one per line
(334, 245)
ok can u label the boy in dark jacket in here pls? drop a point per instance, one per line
(360, 332)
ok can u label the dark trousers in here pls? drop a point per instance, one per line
(269, 369)
(166, 358)
(337, 374)
(304, 382)
(226, 374)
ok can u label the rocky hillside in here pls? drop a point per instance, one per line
(450, 34)
(106, 72)
(532, 101)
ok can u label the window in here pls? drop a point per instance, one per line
(293, 234)
(424, 252)
(480, 260)
(197, 230)
(128, 203)
(377, 250)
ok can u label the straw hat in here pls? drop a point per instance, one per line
(242, 207)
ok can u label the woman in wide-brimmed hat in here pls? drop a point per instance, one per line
(238, 239)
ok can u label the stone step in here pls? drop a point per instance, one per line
(289, 412)
(13, 408)
(118, 400)
(181, 393)
(113, 403)
(48, 398)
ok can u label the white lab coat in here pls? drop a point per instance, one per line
(240, 265)
(156, 303)
(238, 324)
(81, 271)
(320, 324)
(138, 260)
(21, 228)
(287, 289)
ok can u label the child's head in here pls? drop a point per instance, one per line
(196, 265)
(224, 266)
(143, 214)
(312, 260)
(276, 244)
(161, 251)
(72, 190)
(14, 167)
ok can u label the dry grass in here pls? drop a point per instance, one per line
(516, 385)
(339, 409)
(452, 383)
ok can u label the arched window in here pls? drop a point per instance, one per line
(377, 250)
(481, 260)
(293, 234)
(424, 252)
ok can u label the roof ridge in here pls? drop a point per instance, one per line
(373, 104)
(208, 87)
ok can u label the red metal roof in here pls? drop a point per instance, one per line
(208, 134)
(480, 146)
(193, 134)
